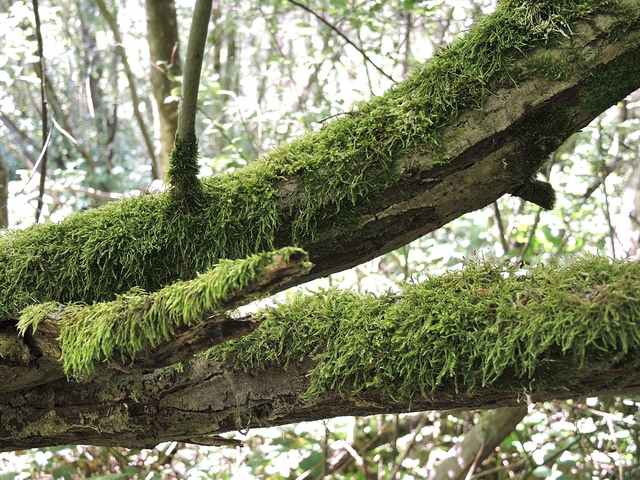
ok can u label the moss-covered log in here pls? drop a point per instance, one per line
(486, 337)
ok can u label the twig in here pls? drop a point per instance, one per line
(607, 207)
(475, 461)
(333, 116)
(346, 39)
(534, 227)
(503, 238)
(43, 154)
(398, 464)
(553, 457)
(215, 124)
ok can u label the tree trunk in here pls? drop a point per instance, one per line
(162, 33)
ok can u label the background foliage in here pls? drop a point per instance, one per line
(276, 69)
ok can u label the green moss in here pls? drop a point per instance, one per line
(613, 81)
(554, 65)
(150, 241)
(91, 334)
(487, 325)
(183, 173)
(537, 135)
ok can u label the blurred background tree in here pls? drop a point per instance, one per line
(276, 69)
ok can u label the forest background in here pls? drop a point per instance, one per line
(273, 71)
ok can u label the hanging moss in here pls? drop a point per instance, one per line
(488, 325)
(147, 242)
(95, 334)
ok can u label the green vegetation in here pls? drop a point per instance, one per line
(183, 173)
(107, 269)
(146, 242)
(614, 81)
(91, 334)
(490, 324)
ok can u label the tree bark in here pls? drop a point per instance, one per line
(478, 443)
(209, 398)
(162, 33)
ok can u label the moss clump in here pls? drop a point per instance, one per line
(486, 325)
(183, 173)
(136, 320)
(612, 82)
(537, 136)
(147, 242)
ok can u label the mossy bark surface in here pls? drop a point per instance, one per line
(468, 127)
(482, 338)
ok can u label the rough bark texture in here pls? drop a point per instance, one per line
(136, 410)
(162, 33)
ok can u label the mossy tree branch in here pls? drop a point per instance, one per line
(468, 127)
(465, 129)
(140, 330)
(485, 337)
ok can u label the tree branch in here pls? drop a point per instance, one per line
(44, 114)
(139, 330)
(478, 443)
(475, 123)
(193, 68)
(183, 160)
(396, 168)
(343, 36)
(485, 337)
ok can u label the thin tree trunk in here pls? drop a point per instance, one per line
(162, 34)
(479, 442)
(135, 99)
